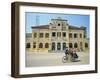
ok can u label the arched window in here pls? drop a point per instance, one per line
(46, 45)
(58, 34)
(46, 35)
(41, 35)
(53, 34)
(80, 35)
(41, 45)
(28, 45)
(75, 35)
(35, 35)
(70, 35)
(64, 34)
(86, 45)
(70, 45)
(75, 45)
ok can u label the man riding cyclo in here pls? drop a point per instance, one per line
(72, 53)
(74, 57)
(66, 53)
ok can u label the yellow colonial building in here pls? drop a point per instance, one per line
(56, 36)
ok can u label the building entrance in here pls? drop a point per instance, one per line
(53, 46)
(58, 46)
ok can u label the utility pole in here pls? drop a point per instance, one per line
(37, 24)
(37, 20)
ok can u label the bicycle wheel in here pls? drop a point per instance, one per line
(64, 59)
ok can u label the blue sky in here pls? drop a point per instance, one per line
(44, 18)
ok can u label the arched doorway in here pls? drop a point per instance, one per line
(41, 45)
(64, 46)
(58, 46)
(70, 45)
(46, 45)
(53, 46)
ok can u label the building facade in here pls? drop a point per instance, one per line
(56, 36)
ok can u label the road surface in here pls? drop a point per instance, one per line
(53, 59)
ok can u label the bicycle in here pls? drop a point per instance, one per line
(64, 59)
(72, 59)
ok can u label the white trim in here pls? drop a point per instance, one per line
(37, 70)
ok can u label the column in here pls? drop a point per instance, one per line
(50, 42)
(56, 46)
(61, 43)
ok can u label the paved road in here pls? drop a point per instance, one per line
(53, 59)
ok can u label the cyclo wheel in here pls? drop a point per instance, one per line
(64, 59)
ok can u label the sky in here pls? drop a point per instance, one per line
(45, 18)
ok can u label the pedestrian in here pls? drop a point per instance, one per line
(66, 52)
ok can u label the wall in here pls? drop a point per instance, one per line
(5, 40)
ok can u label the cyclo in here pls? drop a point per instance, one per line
(70, 55)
